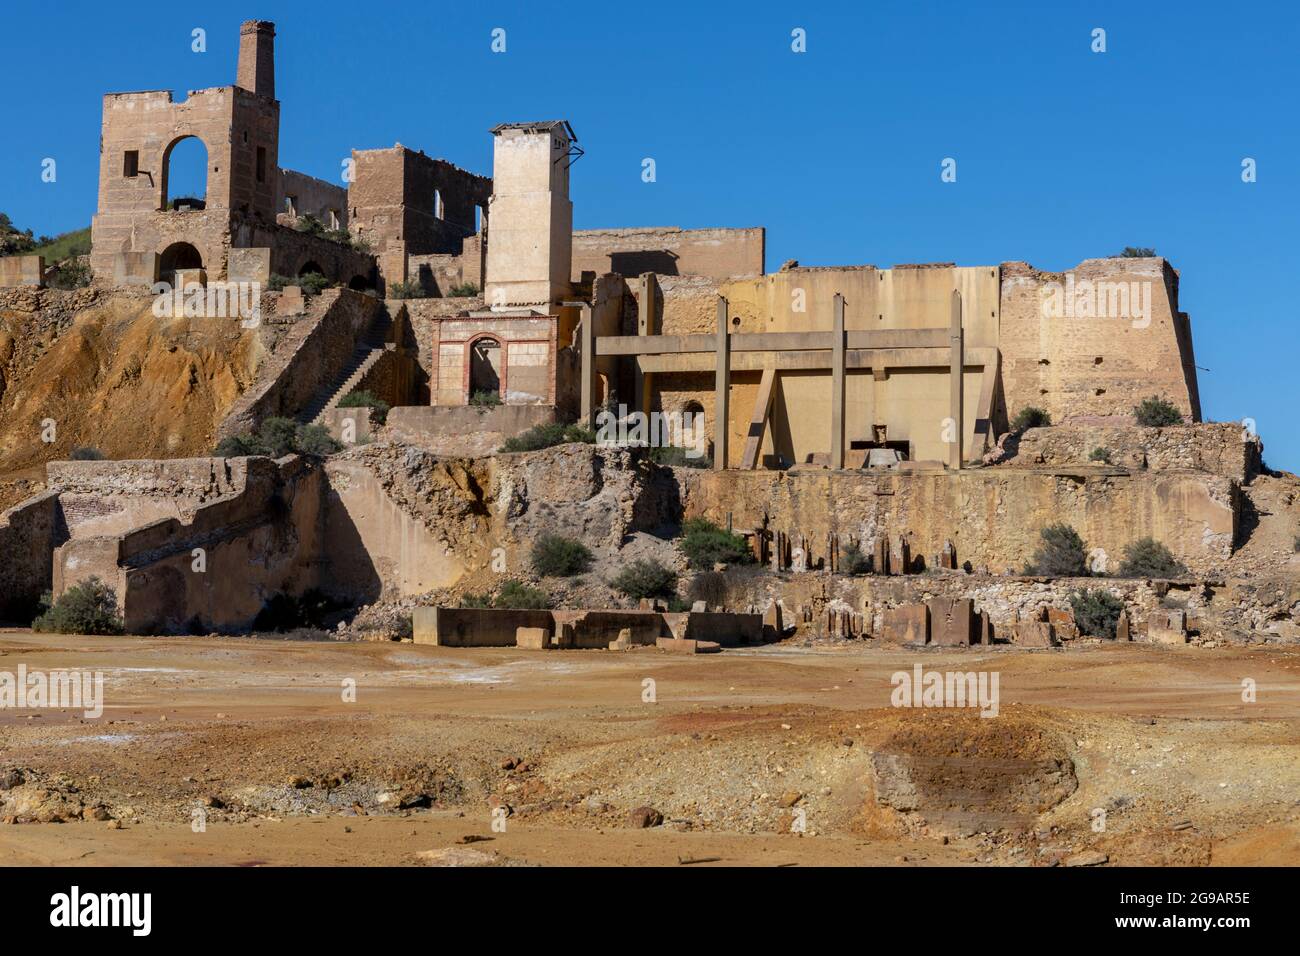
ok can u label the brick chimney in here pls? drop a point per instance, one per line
(256, 71)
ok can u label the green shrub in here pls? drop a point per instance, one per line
(1030, 417)
(485, 398)
(853, 561)
(407, 290)
(278, 437)
(678, 457)
(364, 399)
(464, 290)
(556, 557)
(73, 274)
(520, 596)
(313, 283)
(1096, 612)
(544, 436)
(276, 282)
(309, 224)
(1157, 412)
(1137, 252)
(677, 604)
(89, 607)
(646, 579)
(85, 453)
(476, 600)
(1060, 554)
(1148, 558)
(1100, 454)
(315, 440)
(705, 544)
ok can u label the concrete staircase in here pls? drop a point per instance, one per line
(369, 351)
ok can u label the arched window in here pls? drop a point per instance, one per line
(185, 175)
(309, 267)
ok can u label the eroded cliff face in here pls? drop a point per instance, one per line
(110, 375)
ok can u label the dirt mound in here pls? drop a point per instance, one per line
(970, 775)
(118, 379)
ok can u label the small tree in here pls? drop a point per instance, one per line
(516, 595)
(278, 436)
(313, 283)
(482, 397)
(1157, 412)
(1148, 558)
(407, 290)
(1100, 454)
(476, 600)
(646, 579)
(1096, 612)
(1137, 252)
(89, 607)
(1030, 417)
(705, 544)
(1061, 553)
(464, 290)
(554, 556)
(853, 561)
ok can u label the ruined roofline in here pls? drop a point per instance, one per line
(169, 94)
(660, 230)
(421, 153)
(539, 126)
(1020, 267)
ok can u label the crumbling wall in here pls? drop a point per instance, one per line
(993, 516)
(301, 195)
(1223, 448)
(1119, 340)
(669, 251)
(29, 533)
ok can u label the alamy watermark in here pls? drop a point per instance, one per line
(1100, 299)
(922, 688)
(654, 430)
(65, 690)
(216, 300)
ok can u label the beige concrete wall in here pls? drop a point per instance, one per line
(22, 271)
(670, 250)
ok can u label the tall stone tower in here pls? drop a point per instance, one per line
(530, 239)
(256, 71)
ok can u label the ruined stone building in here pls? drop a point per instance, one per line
(472, 307)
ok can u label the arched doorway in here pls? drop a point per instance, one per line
(309, 267)
(359, 283)
(485, 372)
(178, 257)
(184, 179)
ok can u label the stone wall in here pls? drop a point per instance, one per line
(463, 429)
(311, 355)
(1223, 448)
(1082, 363)
(993, 516)
(29, 532)
(669, 251)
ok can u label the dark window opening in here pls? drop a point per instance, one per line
(261, 164)
(131, 163)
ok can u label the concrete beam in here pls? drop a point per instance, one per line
(771, 342)
(722, 388)
(855, 360)
(588, 370)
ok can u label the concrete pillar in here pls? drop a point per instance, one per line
(837, 385)
(588, 372)
(956, 359)
(646, 324)
(721, 389)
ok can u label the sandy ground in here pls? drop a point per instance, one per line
(246, 752)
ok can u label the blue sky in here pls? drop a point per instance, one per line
(1062, 153)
